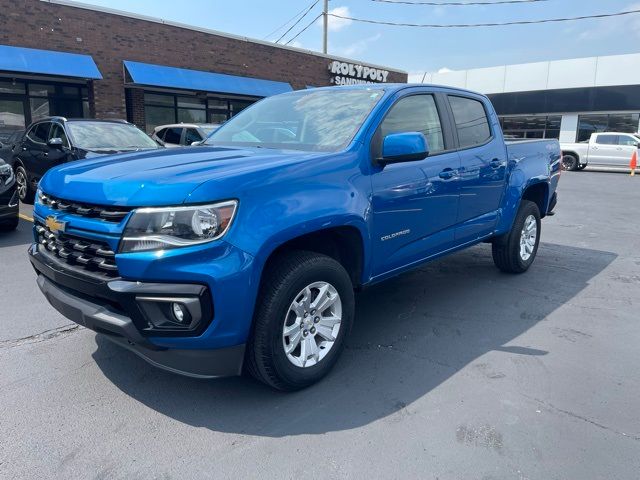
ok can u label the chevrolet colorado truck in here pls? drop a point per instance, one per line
(244, 254)
(611, 149)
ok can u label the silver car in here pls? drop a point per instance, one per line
(182, 134)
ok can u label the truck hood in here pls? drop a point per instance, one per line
(160, 177)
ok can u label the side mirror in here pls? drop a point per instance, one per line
(55, 143)
(404, 147)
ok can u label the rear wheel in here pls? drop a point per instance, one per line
(303, 314)
(25, 192)
(569, 162)
(516, 251)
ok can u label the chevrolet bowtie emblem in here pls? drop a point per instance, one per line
(54, 225)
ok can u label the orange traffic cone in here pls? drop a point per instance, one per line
(633, 163)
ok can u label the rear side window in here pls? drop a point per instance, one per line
(173, 136)
(627, 140)
(191, 135)
(416, 113)
(160, 133)
(39, 133)
(471, 120)
(607, 139)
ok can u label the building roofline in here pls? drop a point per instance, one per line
(112, 11)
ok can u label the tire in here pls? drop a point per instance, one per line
(570, 162)
(25, 192)
(582, 166)
(284, 284)
(9, 225)
(509, 253)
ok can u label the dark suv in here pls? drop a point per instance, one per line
(52, 141)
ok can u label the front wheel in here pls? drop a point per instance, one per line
(516, 251)
(9, 225)
(303, 314)
(25, 192)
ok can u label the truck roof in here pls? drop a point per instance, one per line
(392, 87)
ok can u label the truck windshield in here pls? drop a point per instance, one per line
(311, 120)
(89, 135)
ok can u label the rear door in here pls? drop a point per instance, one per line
(483, 165)
(414, 203)
(33, 148)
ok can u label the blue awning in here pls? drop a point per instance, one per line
(47, 62)
(184, 79)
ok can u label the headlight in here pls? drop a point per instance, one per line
(6, 174)
(173, 227)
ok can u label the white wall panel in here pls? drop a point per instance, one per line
(576, 73)
(451, 79)
(568, 127)
(526, 77)
(486, 80)
(618, 70)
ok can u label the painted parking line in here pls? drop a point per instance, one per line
(25, 217)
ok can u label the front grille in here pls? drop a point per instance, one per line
(90, 256)
(108, 214)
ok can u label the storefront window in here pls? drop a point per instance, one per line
(12, 116)
(11, 87)
(615, 122)
(39, 108)
(536, 126)
(163, 109)
(34, 100)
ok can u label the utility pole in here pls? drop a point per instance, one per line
(325, 25)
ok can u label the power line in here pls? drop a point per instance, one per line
(469, 25)
(286, 23)
(303, 30)
(298, 21)
(457, 4)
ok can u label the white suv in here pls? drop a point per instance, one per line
(181, 134)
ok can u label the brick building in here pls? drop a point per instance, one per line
(75, 60)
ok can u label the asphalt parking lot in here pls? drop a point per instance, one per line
(453, 371)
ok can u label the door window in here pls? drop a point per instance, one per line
(191, 135)
(471, 120)
(607, 139)
(416, 113)
(39, 133)
(58, 132)
(173, 135)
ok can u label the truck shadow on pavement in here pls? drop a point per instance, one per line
(411, 334)
(23, 235)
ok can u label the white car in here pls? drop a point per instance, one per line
(182, 134)
(611, 149)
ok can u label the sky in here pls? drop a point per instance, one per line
(417, 50)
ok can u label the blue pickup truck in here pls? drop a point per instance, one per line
(243, 254)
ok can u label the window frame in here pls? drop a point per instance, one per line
(34, 127)
(375, 145)
(66, 143)
(175, 127)
(454, 127)
(600, 135)
(626, 135)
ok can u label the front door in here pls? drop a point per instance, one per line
(33, 148)
(604, 149)
(415, 204)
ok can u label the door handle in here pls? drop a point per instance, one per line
(495, 163)
(447, 173)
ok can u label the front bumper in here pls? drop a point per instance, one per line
(97, 305)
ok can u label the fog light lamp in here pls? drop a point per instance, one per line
(179, 312)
